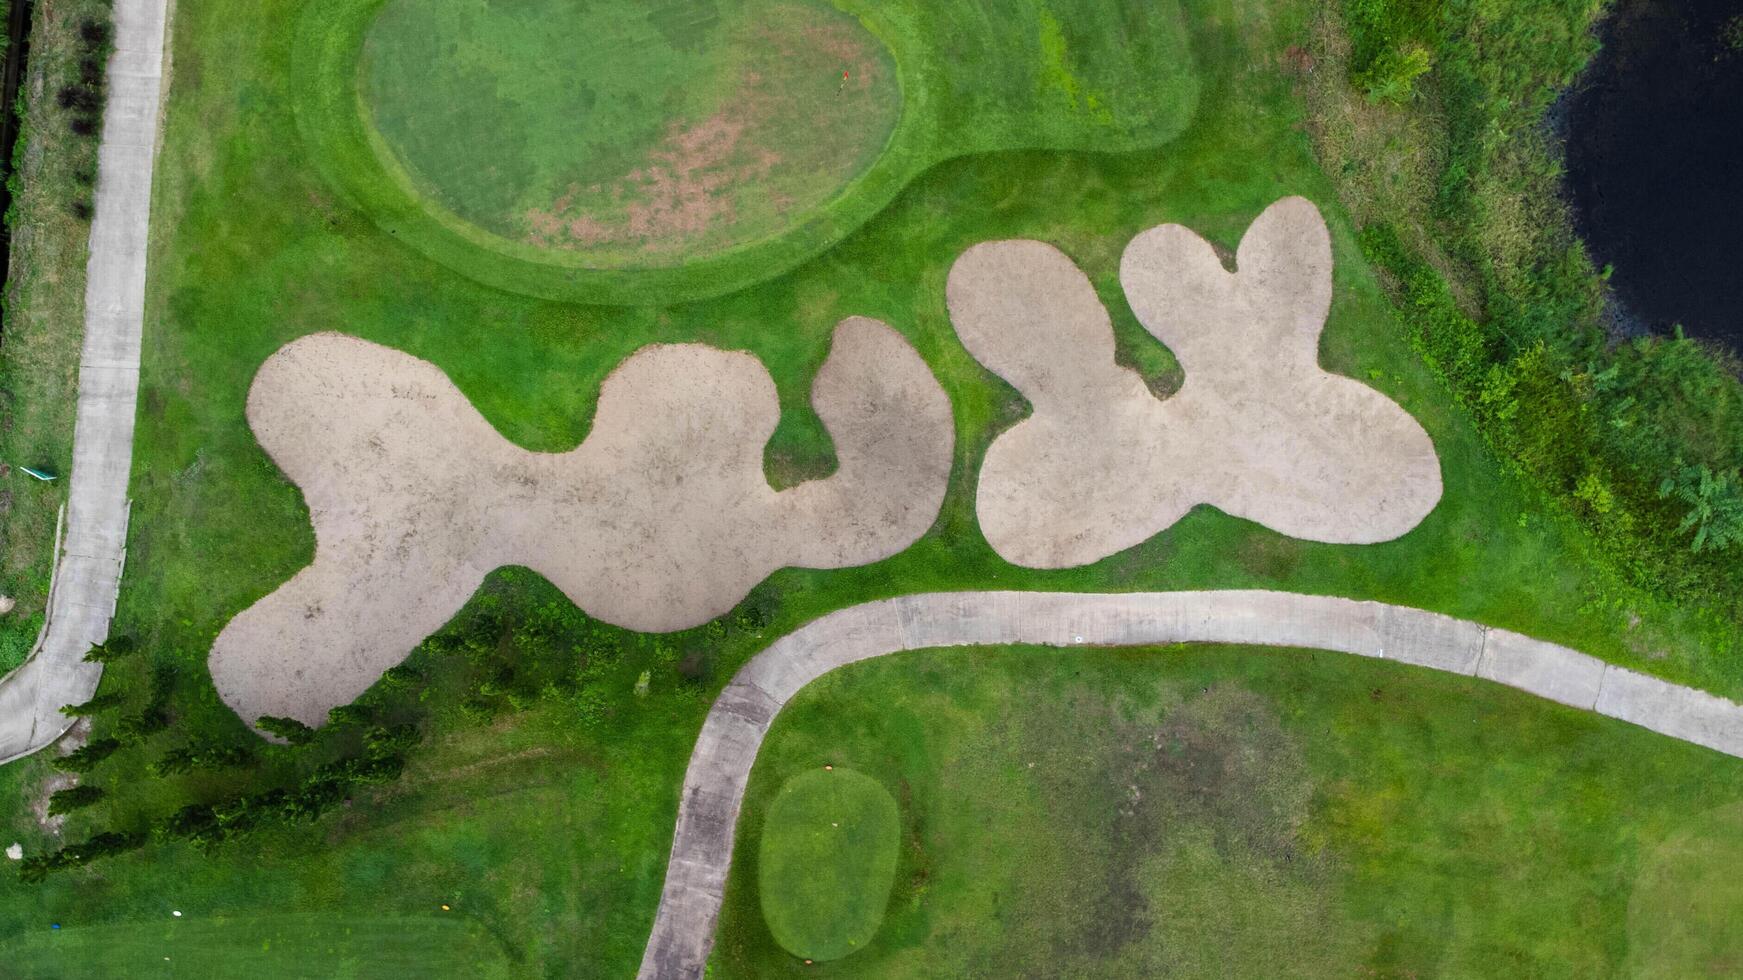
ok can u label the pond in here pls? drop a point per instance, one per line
(1655, 163)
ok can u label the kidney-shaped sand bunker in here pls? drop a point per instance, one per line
(660, 520)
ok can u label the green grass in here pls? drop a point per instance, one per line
(44, 323)
(1234, 812)
(825, 862)
(549, 836)
(287, 946)
(624, 132)
(548, 818)
(1683, 918)
(974, 77)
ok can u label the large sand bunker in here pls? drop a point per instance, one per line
(660, 520)
(1258, 429)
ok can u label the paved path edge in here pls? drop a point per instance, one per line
(726, 748)
(89, 562)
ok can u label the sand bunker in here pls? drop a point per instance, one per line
(1258, 429)
(660, 520)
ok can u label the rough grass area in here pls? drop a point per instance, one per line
(825, 861)
(973, 76)
(268, 948)
(1224, 811)
(44, 326)
(624, 130)
(548, 835)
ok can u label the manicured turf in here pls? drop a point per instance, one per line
(1684, 918)
(825, 862)
(973, 76)
(266, 948)
(632, 133)
(1230, 812)
(551, 822)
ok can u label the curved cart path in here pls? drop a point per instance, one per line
(82, 599)
(720, 765)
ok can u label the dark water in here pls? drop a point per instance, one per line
(1655, 162)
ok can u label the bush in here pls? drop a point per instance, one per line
(1392, 76)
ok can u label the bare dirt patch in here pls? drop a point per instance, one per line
(660, 520)
(707, 181)
(1258, 428)
(57, 780)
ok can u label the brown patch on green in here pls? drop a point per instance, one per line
(723, 179)
(1269, 555)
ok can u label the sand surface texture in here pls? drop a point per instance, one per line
(660, 520)
(1257, 430)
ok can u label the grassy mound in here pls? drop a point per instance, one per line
(553, 178)
(625, 131)
(263, 948)
(828, 855)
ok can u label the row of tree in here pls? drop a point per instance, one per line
(378, 756)
(82, 98)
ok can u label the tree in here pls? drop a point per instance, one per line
(187, 758)
(101, 702)
(196, 822)
(86, 759)
(103, 845)
(34, 870)
(174, 762)
(289, 729)
(75, 798)
(110, 650)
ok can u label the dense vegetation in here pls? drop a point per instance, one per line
(1640, 440)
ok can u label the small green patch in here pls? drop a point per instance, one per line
(1686, 916)
(828, 857)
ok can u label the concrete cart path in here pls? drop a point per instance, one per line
(82, 598)
(720, 766)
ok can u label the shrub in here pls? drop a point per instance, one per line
(1392, 76)
(289, 729)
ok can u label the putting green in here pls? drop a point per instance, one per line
(632, 132)
(613, 151)
(827, 860)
